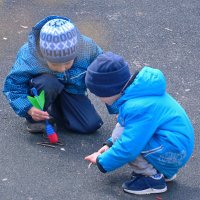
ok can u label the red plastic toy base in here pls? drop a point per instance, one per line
(53, 138)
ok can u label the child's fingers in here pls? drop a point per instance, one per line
(40, 115)
(88, 158)
(43, 113)
(92, 158)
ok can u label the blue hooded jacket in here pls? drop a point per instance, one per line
(30, 63)
(155, 126)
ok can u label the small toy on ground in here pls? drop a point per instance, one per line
(38, 102)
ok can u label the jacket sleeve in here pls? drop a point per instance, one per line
(16, 87)
(138, 130)
(108, 142)
(89, 49)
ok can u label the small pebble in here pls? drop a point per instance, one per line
(62, 149)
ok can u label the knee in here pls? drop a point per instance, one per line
(84, 127)
(47, 82)
(92, 127)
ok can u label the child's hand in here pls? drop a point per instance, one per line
(38, 115)
(93, 157)
(103, 149)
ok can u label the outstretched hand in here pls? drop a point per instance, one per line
(93, 157)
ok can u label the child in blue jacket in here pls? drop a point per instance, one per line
(54, 59)
(153, 135)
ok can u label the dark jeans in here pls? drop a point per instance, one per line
(74, 111)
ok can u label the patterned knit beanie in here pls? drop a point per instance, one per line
(58, 41)
(107, 75)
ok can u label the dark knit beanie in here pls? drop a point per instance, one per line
(107, 75)
(58, 41)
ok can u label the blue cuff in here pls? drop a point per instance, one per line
(108, 143)
(100, 166)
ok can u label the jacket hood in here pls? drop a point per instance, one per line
(148, 82)
(33, 38)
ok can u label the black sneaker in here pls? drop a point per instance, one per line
(145, 184)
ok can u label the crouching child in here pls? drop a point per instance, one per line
(153, 135)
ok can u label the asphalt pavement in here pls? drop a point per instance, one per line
(164, 34)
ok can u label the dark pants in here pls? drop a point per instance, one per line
(74, 111)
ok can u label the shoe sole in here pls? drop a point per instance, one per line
(41, 130)
(35, 131)
(147, 191)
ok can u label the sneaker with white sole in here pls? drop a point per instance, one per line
(145, 184)
(133, 175)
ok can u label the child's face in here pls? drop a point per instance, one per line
(60, 67)
(110, 100)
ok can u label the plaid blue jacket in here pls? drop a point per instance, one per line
(30, 63)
